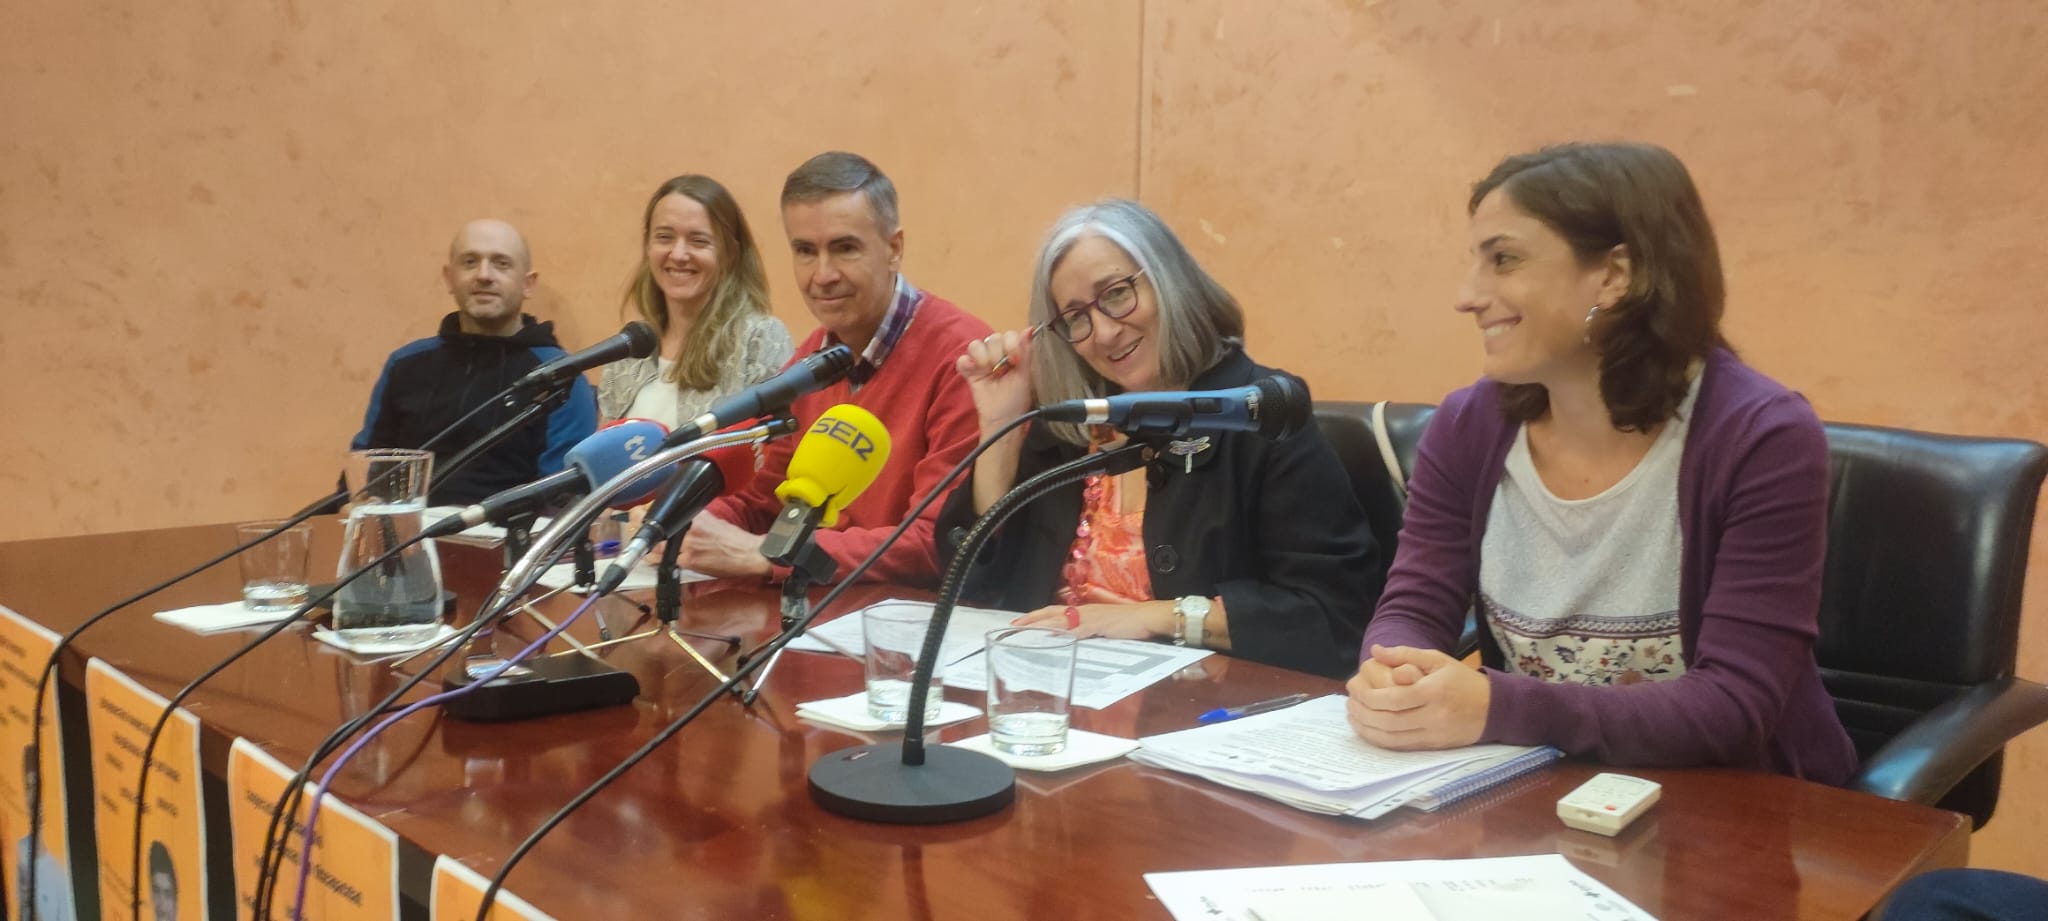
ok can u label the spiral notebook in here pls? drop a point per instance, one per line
(1476, 777)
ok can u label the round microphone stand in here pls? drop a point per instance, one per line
(944, 784)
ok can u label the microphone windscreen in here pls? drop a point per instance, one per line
(610, 450)
(838, 458)
(641, 339)
(1284, 406)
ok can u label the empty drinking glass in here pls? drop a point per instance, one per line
(274, 571)
(1030, 682)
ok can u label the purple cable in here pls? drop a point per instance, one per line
(320, 789)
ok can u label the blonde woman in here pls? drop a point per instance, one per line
(700, 284)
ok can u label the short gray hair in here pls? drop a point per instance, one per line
(1198, 320)
(836, 172)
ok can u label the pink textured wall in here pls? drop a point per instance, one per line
(215, 220)
(1872, 170)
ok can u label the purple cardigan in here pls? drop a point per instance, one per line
(1752, 506)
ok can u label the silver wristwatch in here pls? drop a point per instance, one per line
(1192, 613)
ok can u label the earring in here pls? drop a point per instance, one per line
(1589, 323)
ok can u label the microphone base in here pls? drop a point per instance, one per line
(871, 783)
(552, 684)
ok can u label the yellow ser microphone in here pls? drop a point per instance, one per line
(838, 459)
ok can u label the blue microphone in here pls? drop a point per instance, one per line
(594, 460)
(1273, 407)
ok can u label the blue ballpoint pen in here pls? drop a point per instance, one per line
(1264, 706)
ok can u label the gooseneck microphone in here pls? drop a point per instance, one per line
(1273, 407)
(945, 783)
(637, 340)
(809, 374)
(594, 460)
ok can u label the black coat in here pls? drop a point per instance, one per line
(1271, 527)
(429, 384)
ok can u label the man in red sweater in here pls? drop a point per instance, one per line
(839, 211)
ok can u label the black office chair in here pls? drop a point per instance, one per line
(1347, 426)
(1920, 609)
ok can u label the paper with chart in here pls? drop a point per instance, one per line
(966, 632)
(1542, 887)
(1105, 671)
(1306, 756)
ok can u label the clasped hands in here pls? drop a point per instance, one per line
(1409, 699)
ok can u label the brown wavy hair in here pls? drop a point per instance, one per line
(741, 288)
(1638, 196)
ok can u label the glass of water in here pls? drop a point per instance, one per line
(399, 599)
(1030, 683)
(274, 571)
(894, 636)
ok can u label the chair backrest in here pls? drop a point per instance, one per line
(1920, 597)
(1347, 426)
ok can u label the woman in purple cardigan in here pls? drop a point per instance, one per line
(1638, 517)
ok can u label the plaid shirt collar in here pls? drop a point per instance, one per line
(895, 323)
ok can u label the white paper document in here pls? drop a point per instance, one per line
(1542, 887)
(966, 632)
(639, 578)
(1306, 756)
(1105, 671)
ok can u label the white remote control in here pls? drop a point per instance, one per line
(1607, 803)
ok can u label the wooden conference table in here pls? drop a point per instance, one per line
(718, 823)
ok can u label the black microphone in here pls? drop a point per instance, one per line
(816, 371)
(606, 453)
(637, 340)
(1274, 407)
(702, 478)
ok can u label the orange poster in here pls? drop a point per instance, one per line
(120, 713)
(25, 647)
(458, 890)
(355, 858)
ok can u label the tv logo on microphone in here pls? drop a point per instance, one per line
(636, 447)
(845, 433)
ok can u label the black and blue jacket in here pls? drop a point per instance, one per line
(430, 383)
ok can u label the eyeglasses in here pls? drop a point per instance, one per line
(1115, 302)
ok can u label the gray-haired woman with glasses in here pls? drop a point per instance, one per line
(1232, 542)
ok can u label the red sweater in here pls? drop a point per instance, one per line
(930, 416)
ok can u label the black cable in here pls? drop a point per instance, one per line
(271, 859)
(35, 808)
(163, 719)
(461, 459)
(760, 656)
(963, 560)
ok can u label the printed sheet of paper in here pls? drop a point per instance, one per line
(355, 858)
(1542, 887)
(25, 647)
(1105, 671)
(120, 713)
(458, 890)
(1306, 756)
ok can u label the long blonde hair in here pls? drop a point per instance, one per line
(741, 288)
